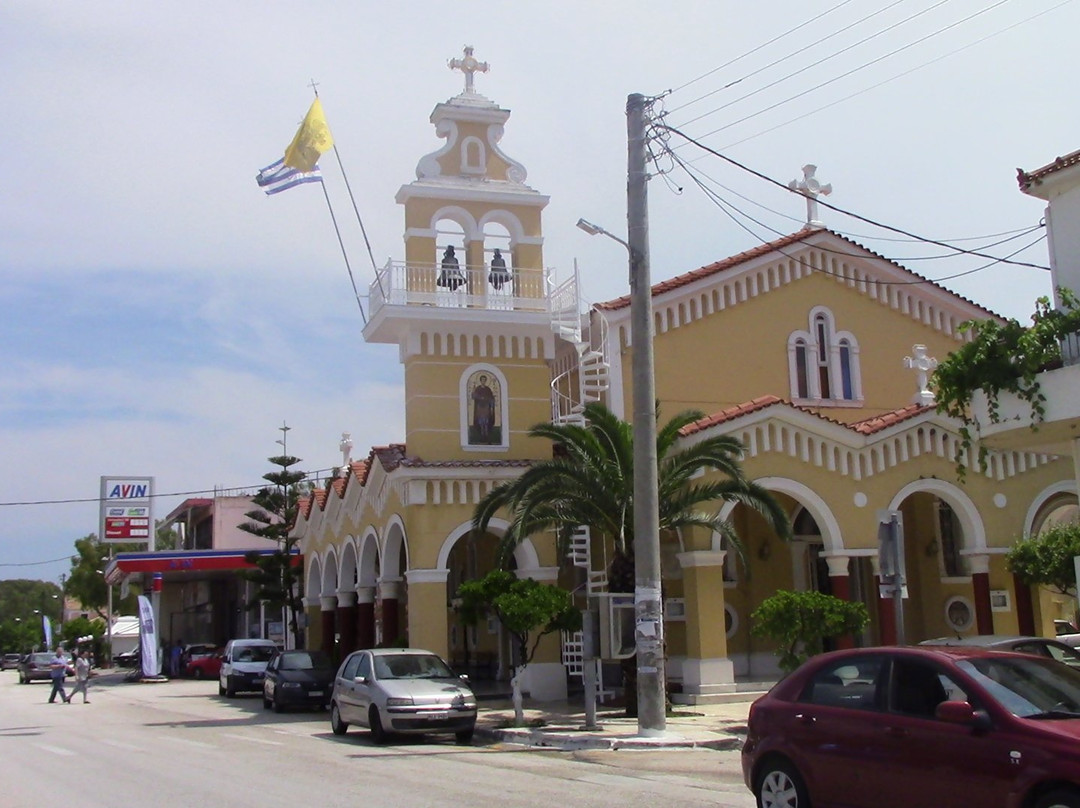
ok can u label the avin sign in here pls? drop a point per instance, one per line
(127, 510)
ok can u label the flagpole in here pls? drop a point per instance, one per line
(344, 255)
(315, 89)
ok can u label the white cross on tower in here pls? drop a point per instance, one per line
(922, 365)
(468, 65)
(809, 187)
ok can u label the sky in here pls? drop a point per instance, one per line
(163, 317)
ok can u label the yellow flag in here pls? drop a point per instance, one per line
(312, 139)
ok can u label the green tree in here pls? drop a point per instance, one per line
(86, 579)
(527, 609)
(1046, 559)
(279, 575)
(800, 622)
(590, 481)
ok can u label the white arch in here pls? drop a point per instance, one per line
(330, 570)
(970, 521)
(313, 587)
(831, 536)
(394, 538)
(459, 215)
(524, 554)
(1044, 496)
(508, 220)
(370, 565)
(347, 565)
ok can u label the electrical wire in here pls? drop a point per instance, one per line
(662, 127)
(727, 208)
(1011, 234)
(844, 75)
(824, 59)
(908, 72)
(759, 47)
(783, 58)
(316, 474)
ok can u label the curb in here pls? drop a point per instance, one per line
(566, 741)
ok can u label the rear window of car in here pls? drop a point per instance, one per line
(304, 661)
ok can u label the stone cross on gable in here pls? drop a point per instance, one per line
(922, 365)
(345, 445)
(468, 65)
(809, 187)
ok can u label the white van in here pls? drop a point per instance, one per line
(243, 665)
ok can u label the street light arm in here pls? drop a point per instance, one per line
(597, 230)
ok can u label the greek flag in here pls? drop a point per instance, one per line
(278, 177)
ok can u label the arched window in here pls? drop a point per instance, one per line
(473, 160)
(823, 363)
(484, 409)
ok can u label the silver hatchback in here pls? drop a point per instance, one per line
(401, 690)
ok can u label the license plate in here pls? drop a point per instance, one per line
(439, 716)
(315, 693)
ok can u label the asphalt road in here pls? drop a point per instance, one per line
(180, 745)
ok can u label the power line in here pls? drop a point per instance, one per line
(759, 47)
(908, 72)
(662, 127)
(782, 58)
(842, 75)
(724, 208)
(820, 61)
(38, 563)
(315, 474)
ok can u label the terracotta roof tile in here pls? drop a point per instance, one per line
(1025, 179)
(772, 246)
(879, 422)
(867, 426)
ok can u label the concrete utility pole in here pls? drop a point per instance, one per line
(648, 609)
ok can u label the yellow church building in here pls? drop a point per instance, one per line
(812, 350)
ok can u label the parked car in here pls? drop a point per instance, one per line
(401, 690)
(10, 662)
(1066, 633)
(243, 664)
(298, 678)
(1039, 646)
(949, 727)
(38, 666)
(203, 664)
(128, 659)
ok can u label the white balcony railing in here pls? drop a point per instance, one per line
(402, 284)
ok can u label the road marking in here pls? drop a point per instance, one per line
(56, 750)
(249, 739)
(121, 745)
(186, 742)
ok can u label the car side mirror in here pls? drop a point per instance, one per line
(463, 677)
(360, 680)
(961, 712)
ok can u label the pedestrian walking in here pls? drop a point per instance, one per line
(58, 667)
(82, 677)
(175, 654)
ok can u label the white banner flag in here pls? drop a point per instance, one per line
(148, 641)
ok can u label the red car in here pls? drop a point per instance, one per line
(202, 662)
(922, 727)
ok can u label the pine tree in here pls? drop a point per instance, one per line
(279, 575)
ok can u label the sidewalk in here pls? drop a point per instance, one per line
(561, 725)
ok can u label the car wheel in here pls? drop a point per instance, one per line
(336, 724)
(197, 673)
(780, 786)
(230, 688)
(220, 688)
(464, 736)
(276, 703)
(266, 702)
(378, 734)
(1061, 798)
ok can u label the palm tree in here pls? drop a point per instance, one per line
(590, 481)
